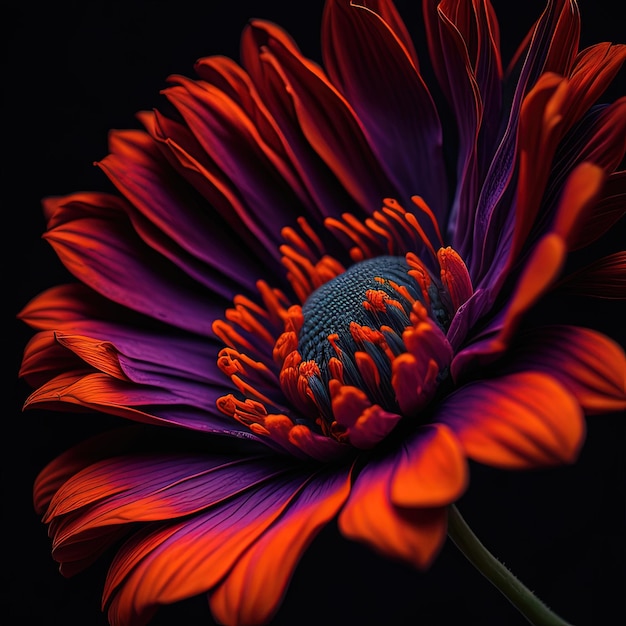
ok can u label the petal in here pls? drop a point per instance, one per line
(605, 214)
(548, 112)
(519, 421)
(538, 275)
(375, 72)
(604, 278)
(414, 535)
(264, 178)
(606, 146)
(591, 366)
(326, 119)
(102, 250)
(84, 389)
(172, 218)
(432, 471)
(66, 307)
(50, 479)
(577, 200)
(253, 589)
(104, 499)
(366, 424)
(44, 358)
(549, 58)
(124, 489)
(165, 564)
(455, 74)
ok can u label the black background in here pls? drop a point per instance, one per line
(71, 71)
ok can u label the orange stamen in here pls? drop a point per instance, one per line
(242, 317)
(297, 241)
(367, 369)
(389, 227)
(402, 290)
(346, 229)
(411, 219)
(454, 276)
(333, 339)
(420, 275)
(372, 225)
(376, 300)
(273, 300)
(298, 280)
(226, 333)
(335, 367)
(249, 390)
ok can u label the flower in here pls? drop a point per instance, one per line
(316, 301)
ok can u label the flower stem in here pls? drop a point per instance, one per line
(533, 609)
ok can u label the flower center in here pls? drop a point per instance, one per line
(366, 349)
(356, 322)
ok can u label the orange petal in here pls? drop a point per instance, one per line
(590, 365)
(541, 270)
(432, 471)
(519, 421)
(369, 516)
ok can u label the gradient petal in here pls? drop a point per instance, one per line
(375, 72)
(168, 563)
(519, 421)
(604, 278)
(102, 250)
(432, 471)
(414, 535)
(326, 119)
(251, 592)
(590, 365)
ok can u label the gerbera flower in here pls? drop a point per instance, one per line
(317, 302)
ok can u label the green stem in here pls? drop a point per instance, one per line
(533, 609)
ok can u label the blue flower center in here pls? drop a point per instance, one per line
(376, 294)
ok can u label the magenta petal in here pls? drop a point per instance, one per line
(170, 217)
(365, 58)
(100, 248)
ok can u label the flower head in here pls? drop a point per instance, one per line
(314, 301)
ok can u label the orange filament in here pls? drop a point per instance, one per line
(419, 202)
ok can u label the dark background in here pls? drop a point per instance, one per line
(71, 71)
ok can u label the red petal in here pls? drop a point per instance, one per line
(324, 116)
(580, 191)
(77, 458)
(97, 243)
(604, 215)
(168, 563)
(539, 273)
